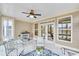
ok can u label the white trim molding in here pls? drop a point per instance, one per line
(63, 46)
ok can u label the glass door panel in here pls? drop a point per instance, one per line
(50, 32)
(43, 31)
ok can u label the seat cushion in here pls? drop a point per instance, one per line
(2, 50)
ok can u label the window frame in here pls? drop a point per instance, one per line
(70, 29)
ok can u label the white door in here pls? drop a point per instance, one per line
(47, 31)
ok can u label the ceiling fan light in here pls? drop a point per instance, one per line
(31, 16)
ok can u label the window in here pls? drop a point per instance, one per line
(43, 33)
(7, 29)
(36, 29)
(64, 28)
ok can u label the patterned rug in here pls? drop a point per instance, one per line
(45, 52)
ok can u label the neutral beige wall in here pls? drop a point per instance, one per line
(21, 26)
(75, 33)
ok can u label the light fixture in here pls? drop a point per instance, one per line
(31, 16)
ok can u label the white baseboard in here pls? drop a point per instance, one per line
(74, 49)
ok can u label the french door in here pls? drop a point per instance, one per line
(48, 31)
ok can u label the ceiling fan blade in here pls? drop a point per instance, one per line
(28, 15)
(35, 17)
(37, 14)
(25, 13)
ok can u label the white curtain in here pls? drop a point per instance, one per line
(7, 28)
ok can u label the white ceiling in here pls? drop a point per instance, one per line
(46, 9)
